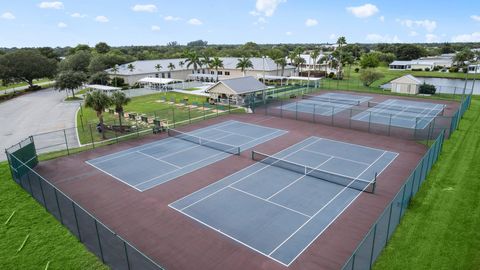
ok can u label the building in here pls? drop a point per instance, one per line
(238, 91)
(407, 84)
(424, 63)
(474, 69)
(177, 69)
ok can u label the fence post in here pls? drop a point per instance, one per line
(98, 238)
(173, 115)
(189, 116)
(203, 109)
(313, 116)
(66, 143)
(373, 243)
(415, 129)
(350, 119)
(58, 205)
(296, 110)
(333, 112)
(389, 124)
(389, 220)
(126, 254)
(369, 120)
(76, 221)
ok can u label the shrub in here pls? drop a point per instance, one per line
(331, 75)
(427, 69)
(453, 69)
(357, 70)
(368, 76)
(436, 68)
(417, 69)
(34, 88)
(119, 81)
(427, 89)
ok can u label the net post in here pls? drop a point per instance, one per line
(296, 110)
(333, 111)
(415, 129)
(253, 153)
(374, 182)
(350, 119)
(189, 116)
(173, 117)
(281, 107)
(313, 116)
(91, 135)
(369, 120)
(66, 143)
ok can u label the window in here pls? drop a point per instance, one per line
(156, 75)
(220, 73)
(169, 75)
(163, 75)
(227, 73)
(203, 71)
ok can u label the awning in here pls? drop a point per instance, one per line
(158, 80)
(103, 88)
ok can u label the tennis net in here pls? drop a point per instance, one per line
(358, 184)
(204, 142)
(406, 108)
(332, 100)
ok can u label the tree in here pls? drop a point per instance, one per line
(206, 60)
(181, 64)
(369, 60)
(98, 101)
(97, 64)
(368, 76)
(100, 77)
(49, 53)
(171, 66)
(26, 66)
(115, 70)
(78, 48)
(197, 43)
(282, 62)
(410, 52)
(102, 47)
(193, 59)
(76, 62)
(158, 67)
(314, 55)
(463, 56)
(298, 61)
(427, 89)
(70, 81)
(119, 99)
(276, 54)
(216, 63)
(243, 64)
(338, 53)
(131, 67)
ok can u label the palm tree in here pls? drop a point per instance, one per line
(181, 64)
(171, 66)
(282, 62)
(243, 64)
(216, 63)
(115, 70)
(119, 99)
(298, 61)
(314, 55)
(131, 67)
(206, 60)
(324, 59)
(292, 57)
(98, 101)
(158, 67)
(193, 60)
(340, 41)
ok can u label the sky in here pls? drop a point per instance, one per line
(30, 23)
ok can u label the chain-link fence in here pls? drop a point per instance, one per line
(112, 249)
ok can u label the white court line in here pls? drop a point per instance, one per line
(298, 179)
(337, 157)
(235, 133)
(126, 183)
(270, 202)
(328, 203)
(246, 176)
(163, 161)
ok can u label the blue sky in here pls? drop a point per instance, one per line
(133, 22)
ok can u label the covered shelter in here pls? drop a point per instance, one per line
(158, 83)
(202, 77)
(407, 84)
(307, 80)
(103, 88)
(289, 79)
(238, 91)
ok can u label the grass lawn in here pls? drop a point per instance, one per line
(192, 89)
(441, 228)
(49, 241)
(23, 84)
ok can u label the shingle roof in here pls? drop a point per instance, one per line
(148, 66)
(408, 76)
(242, 85)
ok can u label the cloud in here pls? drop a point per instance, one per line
(7, 16)
(288, 33)
(376, 38)
(475, 18)
(78, 15)
(381, 18)
(145, 8)
(261, 20)
(364, 11)
(51, 5)
(102, 19)
(428, 25)
(473, 37)
(431, 38)
(266, 7)
(413, 34)
(194, 21)
(155, 28)
(62, 25)
(311, 22)
(171, 18)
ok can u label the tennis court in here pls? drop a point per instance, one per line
(401, 113)
(151, 164)
(279, 206)
(326, 104)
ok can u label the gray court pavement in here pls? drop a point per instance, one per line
(34, 113)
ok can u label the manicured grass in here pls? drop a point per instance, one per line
(440, 230)
(49, 241)
(23, 84)
(192, 89)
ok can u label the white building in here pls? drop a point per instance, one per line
(177, 69)
(441, 61)
(474, 69)
(407, 84)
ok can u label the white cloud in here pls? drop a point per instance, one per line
(7, 16)
(473, 37)
(413, 34)
(266, 7)
(431, 38)
(171, 18)
(78, 15)
(145, 8)
(381, 18)
(364, 11)
(311, 22)
(261, 20)
(288, 33)
(194, 21)
(475, 18)
(51, 5)
(155, 28)
(428, 25)
(101, 19)
(376, 38)
(62, 25)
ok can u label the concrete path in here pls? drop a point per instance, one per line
(34, 113)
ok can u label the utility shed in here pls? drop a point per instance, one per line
(407, 84)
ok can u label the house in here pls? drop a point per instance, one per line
(238, 91)
(474, 69)
(177, 69)
(424, 63)
(407, 84)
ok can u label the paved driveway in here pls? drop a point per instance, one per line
(34, 113)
